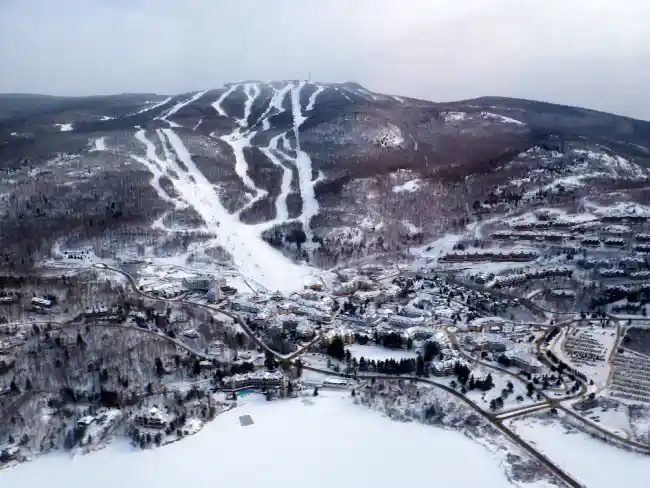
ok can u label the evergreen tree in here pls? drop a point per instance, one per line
(160, 369)
(336, 348)
(298, 368)
(419, 367)
(196, 370)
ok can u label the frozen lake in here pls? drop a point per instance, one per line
(329, 443)
(591, 461)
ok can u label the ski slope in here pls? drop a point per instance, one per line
(179, 106)
(256, 260)
(153, 107)
(217, 105)
(99, 144)
(254, 257)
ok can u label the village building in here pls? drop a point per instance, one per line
(256, 379)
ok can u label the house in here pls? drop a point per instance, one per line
(85, 421)
(337, 383)
(244, 306)
(256, 379)
(404, 322)
(41, 302)
(8, 300)
(524, 361)
(190, 333)
(154, 419)
(198, 283)
(492, 324)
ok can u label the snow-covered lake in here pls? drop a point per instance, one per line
(379, 353)
(330, 443)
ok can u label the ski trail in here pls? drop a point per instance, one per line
(312, 98)
(254, 257)
(275, 103)
(99, 144)
(220, 100)
(281, 209)
(156, 167)
(153, 107)
(303, 164)
(298, 118)
(367, 93)
(252, 91)
(286, 143)
(341, 92)
(238, 141)
(179, 106)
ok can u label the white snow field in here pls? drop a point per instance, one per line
(593, 462)
(379, 353)
(331, 442)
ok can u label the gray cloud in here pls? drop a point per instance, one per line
(594, 53)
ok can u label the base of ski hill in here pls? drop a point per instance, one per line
(323, 441)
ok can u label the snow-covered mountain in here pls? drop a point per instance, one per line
(274, 179)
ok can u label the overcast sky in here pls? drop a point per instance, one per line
(592, 53)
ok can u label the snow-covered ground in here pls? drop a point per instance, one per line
(64, 127)
(591, 461)
(325, 442)
(593, 369)
(409, 186)
(501, 380)
(378, 353)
